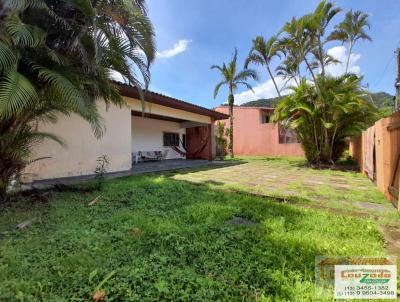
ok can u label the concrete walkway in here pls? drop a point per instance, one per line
(140, 168)
(169, 164)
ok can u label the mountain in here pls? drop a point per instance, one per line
(382, 100)
(262, 103)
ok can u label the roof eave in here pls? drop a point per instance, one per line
(160, 99)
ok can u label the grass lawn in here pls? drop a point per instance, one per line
(164, 238)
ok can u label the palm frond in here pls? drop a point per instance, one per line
(24, 34)
(216, 67)
(217, 88)
(246, 74)
(254, 58)
(247, 85)
(8, 58)
(16, 94)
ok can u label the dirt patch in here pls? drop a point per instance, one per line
(340, 185)
(292, 193)
(342, 212)
(340, 181)
(314, 182)
(392, 239)
(373, 206)
(344, 168)
(134, 232)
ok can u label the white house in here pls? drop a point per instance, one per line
(176, 128)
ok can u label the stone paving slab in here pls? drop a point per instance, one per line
(270, 177)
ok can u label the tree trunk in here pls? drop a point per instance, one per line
(321, 55)
(231, 101)
(4, 181)
(348, 56)
(273, 81)
(312, 72)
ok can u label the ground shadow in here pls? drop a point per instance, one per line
(169, 239)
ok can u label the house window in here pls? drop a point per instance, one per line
(171, 139)
(287, 135)
(264, 118)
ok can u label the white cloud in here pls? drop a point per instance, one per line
(178, 48)
(264, 90)
(340, 53)
(116, 76)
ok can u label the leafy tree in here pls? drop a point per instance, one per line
(220, 139)
(350, 30)
(56, 58)
(262, 52)
(232, 77)
(293, 41)
(289, 68)
(316, 25)
(347, 112)
(302, 40)
(322, 109)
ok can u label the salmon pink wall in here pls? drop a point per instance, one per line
(251, 137)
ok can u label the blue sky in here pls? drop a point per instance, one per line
(191, 35)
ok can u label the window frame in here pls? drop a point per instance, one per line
(265, 118)
(283, 135)
(173, 144)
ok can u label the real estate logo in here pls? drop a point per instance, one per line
(365, 282)
(356, 277)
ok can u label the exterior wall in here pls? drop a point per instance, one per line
(387, 146)
(166, 111)
(356, 150)
(82, 149)
(124, 134)
(147, 135)
(251, 137)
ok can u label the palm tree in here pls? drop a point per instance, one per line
(232, 77)
(262, 52)
(347, 113)
(295, 43)
(305, 36)
(289, 68)
(316, 25)
(324, 109)
(351, 29)
(57, 58)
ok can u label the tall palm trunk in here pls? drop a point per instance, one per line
(321, 56)
(231, 101)
(273, 80)
(348, 56)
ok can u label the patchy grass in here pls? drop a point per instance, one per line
(291, 180)
(155, 238)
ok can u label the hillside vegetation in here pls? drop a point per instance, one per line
(382, 100)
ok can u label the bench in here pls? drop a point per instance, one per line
(149, 155)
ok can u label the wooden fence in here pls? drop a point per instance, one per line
(377, 152)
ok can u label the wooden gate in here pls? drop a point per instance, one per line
(386, 157)
(393, 131)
